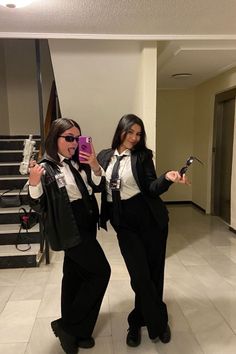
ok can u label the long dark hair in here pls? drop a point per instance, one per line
(123, 128)
(57, 128)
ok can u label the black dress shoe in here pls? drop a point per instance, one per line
(68, 342)
(86, 342)
(165, 337)
(133, 338)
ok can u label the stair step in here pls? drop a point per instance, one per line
(14, 228)
(13, 177)
(14, 191)
(10, 257)
(10, 182)
(9, 164)
(9, 234)
(14, 210)
(16, 137)
(12, 215)
(23, 195)
(12, 155)
(15, 144)
(11, 168)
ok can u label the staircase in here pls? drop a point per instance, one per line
(11, 154)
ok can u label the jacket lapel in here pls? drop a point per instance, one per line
(135, 167)
(106, 159)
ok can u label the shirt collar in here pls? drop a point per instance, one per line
(124, 153)
(61, 157)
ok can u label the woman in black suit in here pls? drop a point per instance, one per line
(133, 205)
(61, 189)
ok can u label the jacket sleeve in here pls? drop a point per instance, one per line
(38, 204)
(97, 188)
(103, 157)
(154, 185)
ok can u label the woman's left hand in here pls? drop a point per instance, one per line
(174, 176)
(90, 159)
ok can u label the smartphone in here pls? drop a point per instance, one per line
(84, 145)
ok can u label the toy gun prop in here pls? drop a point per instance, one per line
(189, 161)
(28, 154)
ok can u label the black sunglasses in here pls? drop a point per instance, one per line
(189, 161)
(70, 138)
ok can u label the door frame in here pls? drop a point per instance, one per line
(217, 127)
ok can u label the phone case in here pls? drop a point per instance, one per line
(85, 145)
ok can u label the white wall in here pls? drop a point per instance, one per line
(100, 81)
(175, 112)
(148, 87)
(47, 74)
(21, 84)
(4, 118)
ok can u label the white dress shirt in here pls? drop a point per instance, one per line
(71, 186)
(129, 187)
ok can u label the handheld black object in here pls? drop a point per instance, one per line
(189, 161)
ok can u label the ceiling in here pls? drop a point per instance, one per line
(196, 37)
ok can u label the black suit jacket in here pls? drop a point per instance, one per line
(149, 184)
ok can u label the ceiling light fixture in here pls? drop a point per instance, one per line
(12, 4)
(181, 75)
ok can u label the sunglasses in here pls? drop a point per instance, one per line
(70, 138)
(189, 161)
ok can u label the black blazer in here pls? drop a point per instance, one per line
(60, 225)
(149, 184)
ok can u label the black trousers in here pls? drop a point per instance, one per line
(86, 273)
(143, 246)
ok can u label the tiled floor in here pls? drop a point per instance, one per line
(200, 292)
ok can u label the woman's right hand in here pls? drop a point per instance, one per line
(36, 172)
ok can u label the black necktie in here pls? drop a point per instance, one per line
(81, 185)
(115, 192)
(115, 170)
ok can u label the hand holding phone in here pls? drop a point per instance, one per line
(84, 146)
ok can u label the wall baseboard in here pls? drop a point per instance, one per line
(232, 229)
(184, 202)
(189, 202)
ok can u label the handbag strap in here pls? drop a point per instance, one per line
(24, 211)
(10, 190)
(21, 236)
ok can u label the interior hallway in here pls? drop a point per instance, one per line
(200, 291)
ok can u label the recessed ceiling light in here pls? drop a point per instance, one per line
(12, 4)
(181, 75)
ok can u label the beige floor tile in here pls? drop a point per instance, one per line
(10, 277)
(103, 346)
(51, 304)
(17, 320)
(27, 292)
(13, 348)
(33, 276)
(200, 292)
(42, 340)
(121, 296)
(5, 294)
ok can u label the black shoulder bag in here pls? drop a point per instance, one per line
(8, 201)
(27, 220)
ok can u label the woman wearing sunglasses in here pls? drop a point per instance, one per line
(133, 205)
(62, 190)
